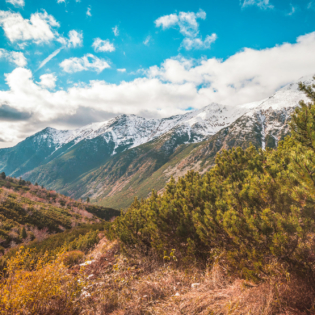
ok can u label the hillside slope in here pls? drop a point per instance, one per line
(28, 212)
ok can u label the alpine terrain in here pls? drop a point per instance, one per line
(110, 162)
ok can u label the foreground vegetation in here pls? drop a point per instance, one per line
(238, 240)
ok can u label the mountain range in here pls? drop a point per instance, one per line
(111, 162)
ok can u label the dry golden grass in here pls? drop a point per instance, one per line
(131, 284)
(117, 283)
(112, 282)
(44, 287)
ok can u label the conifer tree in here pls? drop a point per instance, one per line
(303, 134)
(23, 233)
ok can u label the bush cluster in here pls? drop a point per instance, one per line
(81, 239)
(254, 210)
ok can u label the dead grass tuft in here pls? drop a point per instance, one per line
(132, 284)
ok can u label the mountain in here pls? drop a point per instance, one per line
(114, 136)
(113, 161)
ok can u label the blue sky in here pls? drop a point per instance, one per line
(69, 63)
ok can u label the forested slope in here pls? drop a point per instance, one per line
(30, 212)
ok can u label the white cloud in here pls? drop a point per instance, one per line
(103, 45)
(263, 4)
(167, 21)
(52, 55)
(293, 10)
(48, 81)
(115, 30)
(87, 62)
(189, 27)
(247, 76)
(186, 21)
(39, 28)
(121, 70)
(64, 1)
(15, 57)
(18, 58)
(147, 40)
(75, 39)
(16, 3)
(197, 43)
(88, 11)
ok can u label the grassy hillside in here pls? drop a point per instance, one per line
(139, 170)
(88, 172)
(30, 212)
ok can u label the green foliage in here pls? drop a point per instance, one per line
(73, 258)
(84, 242)
(23, 233)
(254, 209)
(28, 210)
(81, 239)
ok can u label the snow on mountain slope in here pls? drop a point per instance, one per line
(132, 130)
(52, 137)
(288, 96)
(272, 115)
(129, 131)
(263, 125)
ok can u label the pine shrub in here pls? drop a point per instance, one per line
(254, 210)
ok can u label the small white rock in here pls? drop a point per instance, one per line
(195, 285)
(177, 294)
(85, 294)
(87, 263)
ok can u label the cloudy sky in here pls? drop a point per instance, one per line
(67, 63)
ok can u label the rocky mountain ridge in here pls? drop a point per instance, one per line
(131, 130)
(113, 161)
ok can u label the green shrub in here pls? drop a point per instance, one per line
(254, 209)
(73, 258)
(82, 238)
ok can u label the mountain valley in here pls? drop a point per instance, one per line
(111, 162)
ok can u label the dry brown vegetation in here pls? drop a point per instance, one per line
(131, 284)
(109, 280)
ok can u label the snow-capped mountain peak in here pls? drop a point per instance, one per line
(128, 131)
